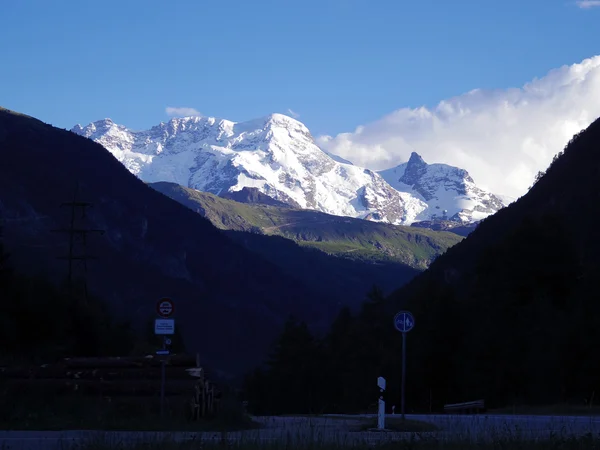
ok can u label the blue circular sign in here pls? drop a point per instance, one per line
(404, 321)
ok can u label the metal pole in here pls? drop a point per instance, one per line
(430, 400)
(403, 374)
(162, 381)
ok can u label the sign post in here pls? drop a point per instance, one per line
(403, 322)
(381, 408)
(164, 327)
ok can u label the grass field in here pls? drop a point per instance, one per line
(550, 410)
(72, 412)
(235, 430)
(397, 424)
(324, 433)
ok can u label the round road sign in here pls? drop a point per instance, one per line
(165, 307)
(404, 321)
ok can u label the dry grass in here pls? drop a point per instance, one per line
(550, 410)
(73, 412)
(581, 443)
(399, 425)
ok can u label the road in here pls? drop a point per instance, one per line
(326, 428)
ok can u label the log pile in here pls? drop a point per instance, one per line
(119, 377)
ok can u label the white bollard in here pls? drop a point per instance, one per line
(381, 415)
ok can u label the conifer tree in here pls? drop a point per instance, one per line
(343, 363)
(293, 370)
(4, 256)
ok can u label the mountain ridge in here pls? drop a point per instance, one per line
(277, 155)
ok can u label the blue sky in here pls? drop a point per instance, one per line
(337, 63)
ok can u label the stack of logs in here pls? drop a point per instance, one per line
(120, 377)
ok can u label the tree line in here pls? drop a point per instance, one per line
(523, 332)
(42, 321)
(336, 373)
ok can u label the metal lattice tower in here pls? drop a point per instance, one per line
(77, 242)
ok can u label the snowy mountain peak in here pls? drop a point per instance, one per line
(416, 160)
(449, 192)
(277, 119)
(103, 124)
(277, 156)
(414, 169)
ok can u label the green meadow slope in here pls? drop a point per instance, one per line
(341, 236)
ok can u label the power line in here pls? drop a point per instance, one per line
(77, 241)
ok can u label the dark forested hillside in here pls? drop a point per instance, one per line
(510, 314)
(342, 279)
(41, 321)
(232, 294)
(230, 301)
(152, 247)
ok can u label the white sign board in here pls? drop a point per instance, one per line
(381, 383)
(164, 326)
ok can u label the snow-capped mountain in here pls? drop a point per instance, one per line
(449, 192)
(278, 156)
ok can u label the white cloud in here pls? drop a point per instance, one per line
(293, 114)
(501, 137)
(181, 111)
(587, 4)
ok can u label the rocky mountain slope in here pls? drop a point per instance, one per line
(341, 236)
(278, 156)
(233, 292)
(449, 192)
(461, 229)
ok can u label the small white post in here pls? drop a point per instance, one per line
(393, 409)
(381, 415)
(381, 409)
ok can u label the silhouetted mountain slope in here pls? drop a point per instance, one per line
(511, 312)
(343, 280)
(230, 302)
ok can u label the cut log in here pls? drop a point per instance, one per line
(104, 373)
(94, 387)
(135, 361)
